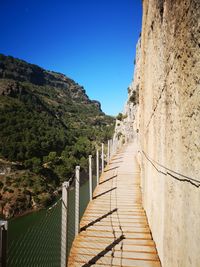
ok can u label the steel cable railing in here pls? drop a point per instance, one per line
(167, 171)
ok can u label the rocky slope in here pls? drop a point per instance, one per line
(19, 70)
(48, 125)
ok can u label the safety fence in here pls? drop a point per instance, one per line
(74, 213)
(44, 238)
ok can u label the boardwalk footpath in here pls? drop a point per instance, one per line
(114, 230)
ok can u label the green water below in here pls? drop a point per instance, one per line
(34, 240)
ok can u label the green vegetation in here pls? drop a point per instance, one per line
(121, 117)
(48, 125)
(119, 134)
(134, 98)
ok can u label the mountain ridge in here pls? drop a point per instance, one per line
(22, 71)
(48, 126)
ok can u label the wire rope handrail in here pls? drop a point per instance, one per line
(195, 182)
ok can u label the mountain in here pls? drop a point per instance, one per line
(48, 125)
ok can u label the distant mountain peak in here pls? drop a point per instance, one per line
(19, 70)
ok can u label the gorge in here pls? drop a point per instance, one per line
(48, 126)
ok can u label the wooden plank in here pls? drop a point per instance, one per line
(120, 217)
(87, 224)
(136, 236)
(126, 247)
(114, 228)
(110, 261)
(147, 246)
(115, 253)
(91, 237)
(101, 234)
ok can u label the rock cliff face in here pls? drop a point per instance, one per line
(21, 71)
(126, 126)
(168, 117)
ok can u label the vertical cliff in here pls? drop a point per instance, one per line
(126, 127)
(168, 118)
(169, 121)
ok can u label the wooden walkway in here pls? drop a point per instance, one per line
(114, 229)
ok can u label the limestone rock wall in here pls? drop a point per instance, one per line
(167, 114)
(169, 127)
(126, 125)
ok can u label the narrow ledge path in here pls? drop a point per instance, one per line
(114, 230)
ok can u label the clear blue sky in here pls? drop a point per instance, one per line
(91, 41)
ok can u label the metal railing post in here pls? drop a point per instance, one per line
(97, 165)
(77, 188)
(64, 225)
(90, 176)
(108, 152)
(114, 146)
(110, 148)
(102, 157)
(3, 242)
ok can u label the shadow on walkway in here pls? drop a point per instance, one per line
(97, 220)
(105, 192)
(115, 162)
(104, 252)
(114, 176)
(111, 169)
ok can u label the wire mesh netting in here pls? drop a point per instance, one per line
(34, 240)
